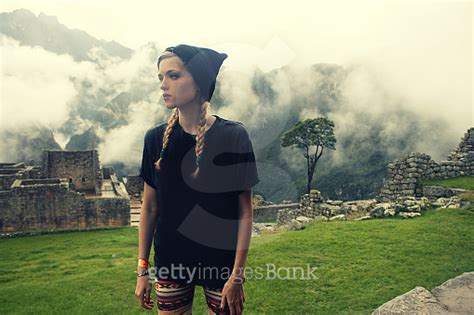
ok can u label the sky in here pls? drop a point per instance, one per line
(420, 50)
(329, 31)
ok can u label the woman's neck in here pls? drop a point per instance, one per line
(189, 119)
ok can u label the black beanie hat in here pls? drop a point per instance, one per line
(202, 63)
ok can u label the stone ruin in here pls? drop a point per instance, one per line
(401, 195)
(403, 174)
(314, 208)
(85, 175)
(68, 191)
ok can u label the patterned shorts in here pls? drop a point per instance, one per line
(177, 297)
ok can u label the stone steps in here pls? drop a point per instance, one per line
(135, 208)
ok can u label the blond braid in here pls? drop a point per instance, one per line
(200, 136)
(166, 136)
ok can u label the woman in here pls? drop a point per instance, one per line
(198, 170)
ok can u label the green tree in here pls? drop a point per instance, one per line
(317, 132)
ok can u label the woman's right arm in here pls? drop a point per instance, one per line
(147, 223)
(146, 230)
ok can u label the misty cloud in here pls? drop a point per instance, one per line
(36, 85)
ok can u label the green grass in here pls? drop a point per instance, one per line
(361, 265)
(464, 182)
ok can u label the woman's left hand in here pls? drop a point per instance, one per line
(233, 295)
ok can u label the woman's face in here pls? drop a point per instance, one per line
(177, 83)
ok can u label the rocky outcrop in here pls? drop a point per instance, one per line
(455, 296)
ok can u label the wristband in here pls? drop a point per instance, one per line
(240, 280)
(142, 262)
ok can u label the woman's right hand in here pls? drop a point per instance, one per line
(143, 292)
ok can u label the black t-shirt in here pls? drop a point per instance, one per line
(197, 222)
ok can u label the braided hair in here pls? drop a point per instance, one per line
(172, 120)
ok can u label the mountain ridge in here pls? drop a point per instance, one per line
(46, 31)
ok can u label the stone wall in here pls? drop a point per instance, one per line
(107, 212)
(81, 168)
(134, 185)
(403, 174)
(30, 201)
(270, 213)
(11, 171)
(33, 205)
(314, 207)
(43, 204)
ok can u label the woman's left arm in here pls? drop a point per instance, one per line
(245, 232)
(233, 293)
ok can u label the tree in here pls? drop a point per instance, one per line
(317, 132)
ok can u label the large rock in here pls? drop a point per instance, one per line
(454, 296)
(457, 294)
(417, 301)
(294, 225)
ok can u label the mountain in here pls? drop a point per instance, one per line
(88, 140)
(46, 31)
(27, 145)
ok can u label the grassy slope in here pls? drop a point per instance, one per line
(361, 265)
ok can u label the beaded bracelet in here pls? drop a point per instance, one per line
(142, 273)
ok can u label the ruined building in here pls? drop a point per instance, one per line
(403, 174)
(68, 190)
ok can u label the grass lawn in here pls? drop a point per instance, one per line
(361, 265)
